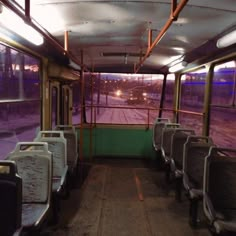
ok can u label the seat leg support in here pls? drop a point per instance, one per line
(167, 172)
(178, 189)
(193, 213)
(55, 207)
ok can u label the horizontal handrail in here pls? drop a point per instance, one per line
(124, 107)
(146, 117)
(191, 112)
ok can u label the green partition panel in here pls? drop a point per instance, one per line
(115, 141)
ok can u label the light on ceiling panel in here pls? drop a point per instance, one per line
(49, 18)
(178, 67)
(172, 60)
(14, 23)
(227, 40)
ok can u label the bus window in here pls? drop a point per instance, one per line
(76, 103)
(123, 98)
(192, 99)
(169, 97)
(54, 105)
(65, 108)
(223, 100)
(19, 95)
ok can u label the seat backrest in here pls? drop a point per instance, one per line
(72, 148)
(34, 165)
(10, 198)
(220, 178)
(162, 119)
(57, 145)
(157, 131)
(196, 149)
(166, 138)
(179, 138)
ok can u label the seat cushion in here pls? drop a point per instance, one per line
(33, 214)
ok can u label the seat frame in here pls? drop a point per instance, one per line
(38, 151)
(194, 194)
(9, 176)
(216, 219)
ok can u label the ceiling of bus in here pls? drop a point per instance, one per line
(113, 34)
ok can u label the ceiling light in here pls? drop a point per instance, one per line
(177, 67)
(178, 49)
(5, 37)
(173, 60)
(14, 23)
(227, 40)
(74, 65)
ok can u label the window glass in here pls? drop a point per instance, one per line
(223, 100)
(75, 103)
(222, 126)
(123, 98)
(66, 105)
(192, 92)
(10, 87)
(169, 97)
(54, 121)
(223, 86)
(19, 75)
(19, 98)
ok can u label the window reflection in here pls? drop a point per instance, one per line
(193, 90)
(122, 98)
(76, 103)
(169, 97)
(223, 112)
(224, 84)
(54, 107)
(19, 94)
(192, 93)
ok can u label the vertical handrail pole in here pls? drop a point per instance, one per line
(92, 89)
(66, 40)
(149, 38)
(27, 9)
(81, 108)
(91, 121)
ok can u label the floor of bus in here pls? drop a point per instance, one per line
(124, 197)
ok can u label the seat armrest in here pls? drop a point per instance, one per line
(178, 173)
(18, 232)
(172, 165)
(64, 174)
(186, 182)
(196, 193)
